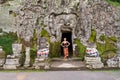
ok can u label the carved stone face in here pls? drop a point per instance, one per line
(66, 22)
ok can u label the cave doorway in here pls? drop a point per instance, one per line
(68, 36)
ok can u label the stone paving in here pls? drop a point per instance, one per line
(61, 75)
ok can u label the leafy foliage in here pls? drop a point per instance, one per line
(7, 40)
(81, 49)
(55, 49)
(114, 2)
(107, 49)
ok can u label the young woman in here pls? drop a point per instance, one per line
(65, 45)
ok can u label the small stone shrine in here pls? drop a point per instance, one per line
(92, 59)
(12, 61)
(41, 62)
(2, 57)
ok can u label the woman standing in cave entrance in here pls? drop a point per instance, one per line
(65, 45)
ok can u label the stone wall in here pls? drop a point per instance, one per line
(77, 16)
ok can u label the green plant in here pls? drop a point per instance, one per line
(22, 58)
(81, 49)
(1, 30)
(32, 55)
(114, 2)
(55, 49)
(33, 49)
(107, 49)
(92, 37)
(45, 34)
(6, 41)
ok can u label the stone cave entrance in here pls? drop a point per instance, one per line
(67, 35)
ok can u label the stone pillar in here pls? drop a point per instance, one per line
(27, 60)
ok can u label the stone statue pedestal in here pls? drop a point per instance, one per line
(93, 62)
(12, 61)
(11, 64)
(41, 63)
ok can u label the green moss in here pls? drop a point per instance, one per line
(107, 49)
(114, 2)
(33, 49)
(7, 40)
(81, 49)
(33, 52)
(58, 3)
(102, 37)
(2, 55)
(113, 38)
(22, 59)
(45, 34)
(55, 49)
(1, 30)
(92, 37)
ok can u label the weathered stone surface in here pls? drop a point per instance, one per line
(76, 16)
(93, 62)
(27, 59)
(114, 62)
(2, 61)
(2, 57)
(17, 48)
(2, 1)
(11, 63)
(41, 63)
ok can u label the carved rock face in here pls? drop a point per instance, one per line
(62, 23)
(76, 16)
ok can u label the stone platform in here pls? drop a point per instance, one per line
(71, 63)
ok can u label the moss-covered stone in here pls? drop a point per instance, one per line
(92, 37)
(107, 49)
(2, 55)
(81, 49)
(45, 34)
(55, 49)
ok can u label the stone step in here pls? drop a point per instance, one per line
(67, 64)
